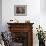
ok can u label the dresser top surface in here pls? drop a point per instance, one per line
(19, 23)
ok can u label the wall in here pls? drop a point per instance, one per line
(34, 14)
(43, 14)
(0, 15)
(43, 6)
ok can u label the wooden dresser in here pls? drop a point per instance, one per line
(22, 33)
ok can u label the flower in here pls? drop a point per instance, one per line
(40, 33)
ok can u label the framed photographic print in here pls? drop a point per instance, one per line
(20, 10)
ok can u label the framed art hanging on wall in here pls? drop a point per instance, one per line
(20, 10)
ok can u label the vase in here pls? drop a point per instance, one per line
(41, 43)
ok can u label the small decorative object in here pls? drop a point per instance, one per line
(41, 36)
(11, 20)
(20, 10)
(27, 21)
(14, 21)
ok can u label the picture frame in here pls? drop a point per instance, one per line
(20, 10)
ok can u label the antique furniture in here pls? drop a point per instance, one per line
(22, 33)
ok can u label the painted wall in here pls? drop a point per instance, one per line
(43, 14)
(33, 14)
(0, 15)
(43, 6)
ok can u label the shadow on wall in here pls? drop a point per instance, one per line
(0, 15)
